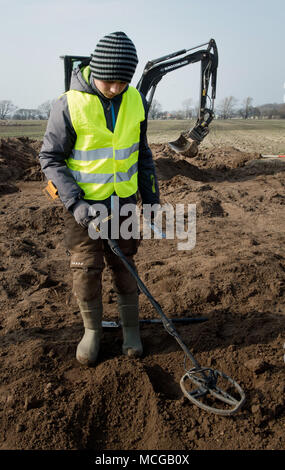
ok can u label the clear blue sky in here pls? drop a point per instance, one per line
(249, 34)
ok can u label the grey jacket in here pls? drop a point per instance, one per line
(59, 140)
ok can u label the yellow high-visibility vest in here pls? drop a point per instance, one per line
(102, 161)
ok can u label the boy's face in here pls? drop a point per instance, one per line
(110, 89)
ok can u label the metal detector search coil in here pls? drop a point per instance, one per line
(208, 386)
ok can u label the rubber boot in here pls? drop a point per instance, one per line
(88, 348)
(128, 306)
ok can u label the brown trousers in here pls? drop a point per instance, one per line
(87, 262)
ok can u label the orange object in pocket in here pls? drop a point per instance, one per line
(50, 190)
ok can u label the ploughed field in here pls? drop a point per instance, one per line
(233, 276)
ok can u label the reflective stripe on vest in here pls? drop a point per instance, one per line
(103, 161)
(104, 153)
(101, 178)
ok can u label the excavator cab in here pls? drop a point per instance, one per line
(188, 142)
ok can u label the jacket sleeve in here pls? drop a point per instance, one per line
(147, 178)
(58, 143)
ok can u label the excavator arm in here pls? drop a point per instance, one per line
(188, 142)
(154, 71)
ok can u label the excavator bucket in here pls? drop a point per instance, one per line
(184, 146)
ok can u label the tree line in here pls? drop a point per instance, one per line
(9, 111)
(228, 108)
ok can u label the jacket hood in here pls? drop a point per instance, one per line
(80, 81)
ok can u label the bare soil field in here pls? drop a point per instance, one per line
(234, 276)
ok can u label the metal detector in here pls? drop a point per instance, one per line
(205, 378)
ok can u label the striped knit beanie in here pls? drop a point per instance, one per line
(114, 58)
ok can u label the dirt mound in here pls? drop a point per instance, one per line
(18, 162)
(233, 275)
(217, 165)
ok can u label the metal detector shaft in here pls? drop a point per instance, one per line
(166, 321)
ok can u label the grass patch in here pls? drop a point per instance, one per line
(33, 129)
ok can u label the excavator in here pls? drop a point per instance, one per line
(188, 141)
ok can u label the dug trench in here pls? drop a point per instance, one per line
(234, 275)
